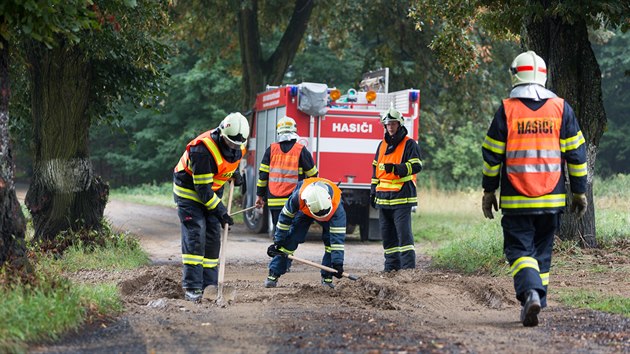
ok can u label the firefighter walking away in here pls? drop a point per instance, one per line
(532, 135)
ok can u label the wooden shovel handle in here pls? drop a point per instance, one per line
(322, 267)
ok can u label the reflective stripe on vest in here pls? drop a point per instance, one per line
(284, 169)
(336, 198)
(532, 153)
(389, 182)
(225, 169)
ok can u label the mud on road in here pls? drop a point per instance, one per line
(420, 310)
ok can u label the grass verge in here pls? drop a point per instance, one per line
(52, 304)
(596, 301)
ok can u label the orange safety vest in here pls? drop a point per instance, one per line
(336, 198)
(225, 168)
(284, 169)
(390, 182)
(533, 161)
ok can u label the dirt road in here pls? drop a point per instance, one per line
(410, 311)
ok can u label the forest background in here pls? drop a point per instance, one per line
(142, 141)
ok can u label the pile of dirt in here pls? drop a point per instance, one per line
(152, 283)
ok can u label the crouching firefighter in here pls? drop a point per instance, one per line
(314, 199)
(210, 160)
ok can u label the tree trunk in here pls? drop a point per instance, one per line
(575, 76)
(257, 71)
(12, 224)
(64, 195)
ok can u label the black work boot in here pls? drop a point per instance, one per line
(271, 281)
(531, 309)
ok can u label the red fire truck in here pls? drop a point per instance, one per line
(342, 133)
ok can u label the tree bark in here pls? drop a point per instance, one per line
(12, 223)
(257, 71)
(64, 194)
(574, 74)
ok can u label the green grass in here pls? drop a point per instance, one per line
(55, 305)
(596, 301)
(147, 194)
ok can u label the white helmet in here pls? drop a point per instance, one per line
(528, 68)
(317, 199)
(235, 130)
(392, 115)
(286, 125)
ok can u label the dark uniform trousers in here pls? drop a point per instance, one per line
(395, 226)
(201, 236)
(530, 236)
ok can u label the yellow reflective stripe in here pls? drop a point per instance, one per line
(544, 277)
(545, 201)
(392, 250)
(192, 259)
(284, 250)
(262, 183)
(415, 160)
(572, 143)
(203, 179)
(264, 168)
(277, 202)
(396, 201)
(523, 262)
(214, 150)
(338, 230)
(186, 193)
(210, 262)
(374, 181)
(219, 183)
(213, 202)
(407, 248)
(374, 163)
(491, 171)
(578, 170)
(336, 247)
(494, 145)
(283, 227)
(327, 249)
(313, 171)
(286, 212)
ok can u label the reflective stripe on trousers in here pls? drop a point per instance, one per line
(398, 244)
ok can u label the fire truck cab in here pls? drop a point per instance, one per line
(342, 133)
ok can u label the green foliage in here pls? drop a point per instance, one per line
(148, 194)
(46, 21)
(596, 301)
(614, 149)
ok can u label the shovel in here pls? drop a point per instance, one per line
(323, 267)
(230, 292)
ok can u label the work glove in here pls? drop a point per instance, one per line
(579, 204)
(487, 203)
(237, 178)
(260, 202)
(274, 250)
(373, 200)
(389, 167)
(226, 219)
(339, 268)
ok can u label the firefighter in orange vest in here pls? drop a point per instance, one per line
(284, 164)
(314, 199)
(532, 135)
(210, 160)
(393, 190)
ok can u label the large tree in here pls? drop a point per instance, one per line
(558, 32)
(75, 83)
(39, 21)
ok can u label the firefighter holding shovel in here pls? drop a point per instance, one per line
(210, 160)
(314, 199)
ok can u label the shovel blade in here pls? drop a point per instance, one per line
(211, 293)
